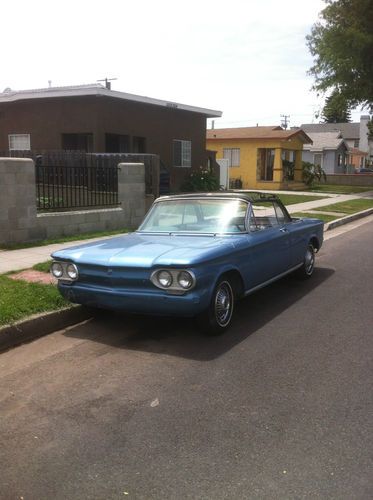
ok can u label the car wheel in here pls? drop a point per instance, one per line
(217, 318)
(308, 265)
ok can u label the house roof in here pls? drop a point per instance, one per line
(272, 132)
(96, 89)
(348, 130)
(325, 141)
(356, 151)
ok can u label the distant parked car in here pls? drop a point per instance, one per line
(194, 255)
(364, 171)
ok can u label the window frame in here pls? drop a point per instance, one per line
(142, 228)
(266, 167)
(230, 152)
(12, 136)
(185, 153)
(275, 204)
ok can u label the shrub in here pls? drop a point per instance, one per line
(312, 173)
(202, 179)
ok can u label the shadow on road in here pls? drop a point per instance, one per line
(180, 336)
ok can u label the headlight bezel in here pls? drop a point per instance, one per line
(56, 265)
(66, 274)
(175, 286)
(72, 271)
(189, 277)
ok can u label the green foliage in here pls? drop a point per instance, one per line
(338, 189)
(342, 46)
(348, 207)
(49, 202)
(289, 167)
(312, 173)
(43, 267)
(202, 179)
(306, 215)
(291, 199)
(336, 109)
(19, 299)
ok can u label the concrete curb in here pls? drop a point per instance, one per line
(40, 325)
(347, 218)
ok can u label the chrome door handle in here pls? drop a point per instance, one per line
(284, 230)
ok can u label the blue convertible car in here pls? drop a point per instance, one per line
(194, 255)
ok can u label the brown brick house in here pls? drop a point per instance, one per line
(96, 119)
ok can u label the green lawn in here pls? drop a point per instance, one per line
(291, 199)
(65, 239)
(43, 267)
(348, 207)
(336, 189)
(20, 299)
(324, 217)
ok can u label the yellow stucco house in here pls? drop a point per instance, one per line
(261, 157)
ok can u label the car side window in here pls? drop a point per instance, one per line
(263, 215)
(282, 216)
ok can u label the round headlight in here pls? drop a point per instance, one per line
(57, 269)
(185, 279)
(72, 271)
(164, 279)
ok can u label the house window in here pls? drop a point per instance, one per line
(117, 143)
(232, 155)
(317, 159)
(77, 142)
(182, 153)
(340, 160)
(19, 142)
(265, 162)
(356, 143)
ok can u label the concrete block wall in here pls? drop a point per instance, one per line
(351, 179)
(20, 222)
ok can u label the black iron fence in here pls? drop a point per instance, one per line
(151, 163)
(73, 187)
(76, 179)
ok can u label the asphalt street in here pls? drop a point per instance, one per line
(147, 408)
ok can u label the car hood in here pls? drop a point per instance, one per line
(147, 250)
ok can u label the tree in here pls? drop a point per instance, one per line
(342, 46)
(336, 109)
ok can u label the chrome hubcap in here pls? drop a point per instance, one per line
(223, 304)
(309, 261)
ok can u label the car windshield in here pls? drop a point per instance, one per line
(196, 216)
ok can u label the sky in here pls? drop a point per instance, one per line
(248, 59)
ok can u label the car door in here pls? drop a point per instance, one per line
(297, 235)
(268, 244)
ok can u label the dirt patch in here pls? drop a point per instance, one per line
(33, 276)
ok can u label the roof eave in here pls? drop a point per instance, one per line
(97, 91)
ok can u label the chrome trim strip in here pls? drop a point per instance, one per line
(279, 276)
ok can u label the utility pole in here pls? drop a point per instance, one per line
(285, 120)
(107, 82)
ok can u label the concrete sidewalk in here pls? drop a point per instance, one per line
(311, 205)
(13, 260)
